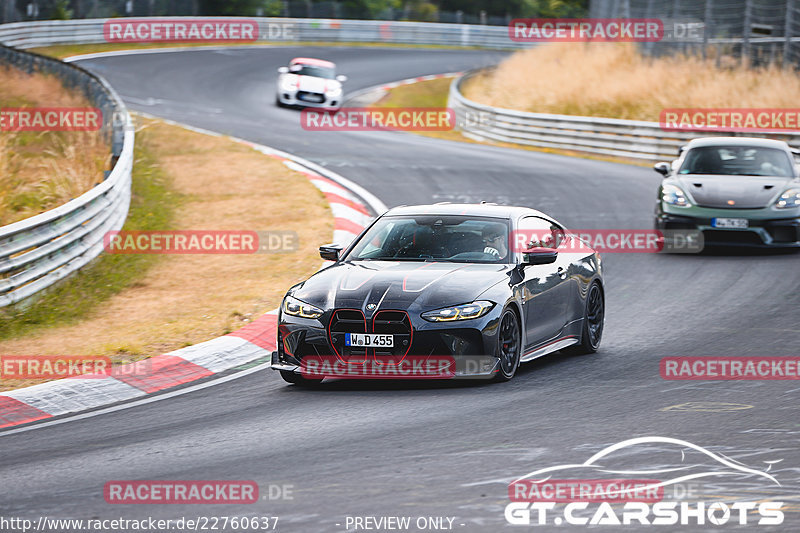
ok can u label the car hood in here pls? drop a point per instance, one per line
(399, 284)
(313, 84)
(746, 192)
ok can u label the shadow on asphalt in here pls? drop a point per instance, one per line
(525, 377)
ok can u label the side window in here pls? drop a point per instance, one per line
(537, 232)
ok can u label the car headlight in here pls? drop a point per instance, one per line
(673, 195)
(789, 199)
(459, 312)
(294, 307)
(335, 91)
(288, 83)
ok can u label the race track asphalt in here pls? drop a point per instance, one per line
(449, 450)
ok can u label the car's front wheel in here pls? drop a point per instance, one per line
(593, 318)
(509, 345)
(297, 379)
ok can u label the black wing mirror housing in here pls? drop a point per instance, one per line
(330, 252)
(539, 256)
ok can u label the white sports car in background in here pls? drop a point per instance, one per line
(309, 83)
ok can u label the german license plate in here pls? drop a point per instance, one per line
(369, 340)
(730, 223)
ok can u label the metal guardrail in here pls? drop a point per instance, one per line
(51, 32)
(39, 251)
(600, 136)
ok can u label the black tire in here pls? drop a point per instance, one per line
(509, 345)
(297, 379)
(279, 103)
(594, 313)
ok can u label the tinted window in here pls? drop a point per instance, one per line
(737, 160)
(312, 70)
(459, 238)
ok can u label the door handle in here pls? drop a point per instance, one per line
(562, 272)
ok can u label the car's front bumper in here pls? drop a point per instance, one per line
(295, 98)
(466, 367)
(766, 228)
(470, 345)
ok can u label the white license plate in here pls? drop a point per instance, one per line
(310, 98)
(730, 223)
(368, 340)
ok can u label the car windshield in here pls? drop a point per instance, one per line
(737, 160)
(457, 238)
(312, 70)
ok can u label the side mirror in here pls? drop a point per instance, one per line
(283, 70)
(662, 168)
(341, 78)
(330, 252)
(539, 256)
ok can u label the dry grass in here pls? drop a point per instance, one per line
(186, 299)
(433, 93)
(42, 170)
(613, 80)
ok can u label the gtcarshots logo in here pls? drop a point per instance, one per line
(50, 119)
(614, 497)
(180, 492)
(176, 29)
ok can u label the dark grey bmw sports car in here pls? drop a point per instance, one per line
(482, 286)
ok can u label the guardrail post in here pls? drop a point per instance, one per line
(787, 43)
(748, 14)
(707, 26)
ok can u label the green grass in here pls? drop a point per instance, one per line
(153, 205)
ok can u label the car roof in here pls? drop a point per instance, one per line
(487, 210)
(738, 141)
(312, 61)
